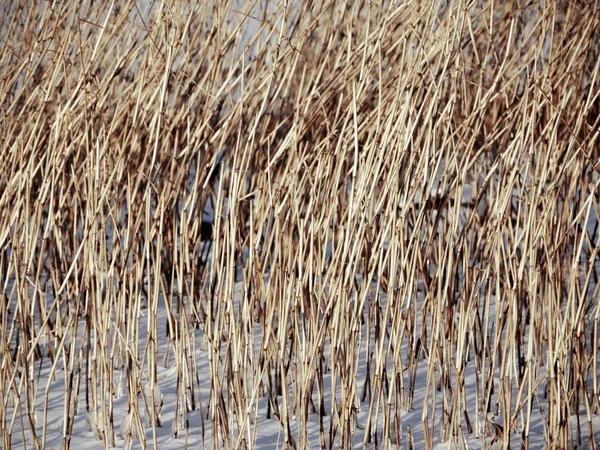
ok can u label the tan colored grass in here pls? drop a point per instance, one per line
(336, 144)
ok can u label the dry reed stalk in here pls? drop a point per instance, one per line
(417, 182)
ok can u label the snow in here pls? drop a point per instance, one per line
(185, 427)
(188, 423)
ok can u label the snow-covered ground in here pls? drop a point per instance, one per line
(187, 426)
(192, 428)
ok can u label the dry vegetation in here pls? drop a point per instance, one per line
(407, 192)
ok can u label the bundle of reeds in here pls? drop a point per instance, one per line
(364, 222)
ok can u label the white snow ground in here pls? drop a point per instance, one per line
(267, 433)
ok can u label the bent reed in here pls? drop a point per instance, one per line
(404, 198)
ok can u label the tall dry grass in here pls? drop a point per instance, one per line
(407, 192)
